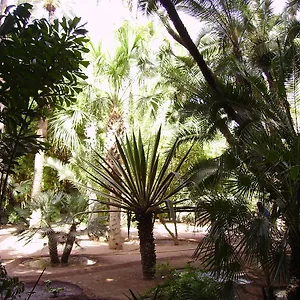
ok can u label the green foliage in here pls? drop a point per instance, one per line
(40, 69)
(246, 89)
(19, 215)
(54, 291)
(59, 207)
(189, 284)
(153, 296)
(10, 287)
(162, 270)
(137, 183)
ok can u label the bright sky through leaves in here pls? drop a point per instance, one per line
(103, 17)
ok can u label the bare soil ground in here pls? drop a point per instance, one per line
(107, 274)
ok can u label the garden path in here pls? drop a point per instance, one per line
(115, 271)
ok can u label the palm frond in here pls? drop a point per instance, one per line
(226, 217)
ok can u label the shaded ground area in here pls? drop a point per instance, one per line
(112, 273)
(58, 289)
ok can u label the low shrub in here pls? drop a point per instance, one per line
(10, 287)
(189, 284)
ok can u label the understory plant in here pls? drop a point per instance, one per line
(50, 289)
(189, 284)
(10, 287)
(58, 209)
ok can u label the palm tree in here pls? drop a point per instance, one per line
(121, 80)
(251, 106)
(37, 181)
(139, 182)
(58, 208)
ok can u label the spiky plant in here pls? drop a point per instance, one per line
(140, 182)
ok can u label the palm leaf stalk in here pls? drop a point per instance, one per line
(139, 183)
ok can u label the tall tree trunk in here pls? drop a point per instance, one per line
(194, 52)
(93, 220)
(188, 42)
(39, 160)
(39, 157)
(115, 128)
(115, 237)
(69, 244)
(147, 246)
(37, 182)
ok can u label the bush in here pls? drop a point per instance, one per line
(10, 287)
(188, 284)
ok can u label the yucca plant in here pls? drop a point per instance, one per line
(140, 182)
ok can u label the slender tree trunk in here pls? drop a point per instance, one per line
(52, 245)
(174, 236)
(115, 128)
(115, 237)
(147, 245)
(69, 244)
(194, 52)
(38, 173)
(188, 42)
(39, 161)
(93, 220)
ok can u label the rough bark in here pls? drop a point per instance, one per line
(293, 289)
(147, 246)
(37, 181)
(115, 127)
(115, 237)
(39, 161)
(69, 244)
(93, 216)
(52, 245)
